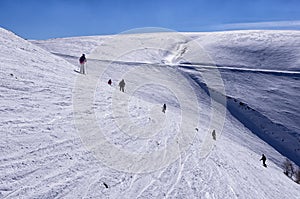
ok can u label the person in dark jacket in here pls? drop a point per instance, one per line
(164, 108)
(122, 85)
(109, 82)
(82, 61)
(263, 158)
(214, 136)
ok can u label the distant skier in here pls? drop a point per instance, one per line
(214, 134)
(263, 158)
(109, 82)
(82, 61)
(122, 85)
(164, 108)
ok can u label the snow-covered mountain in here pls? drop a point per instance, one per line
(63, 134)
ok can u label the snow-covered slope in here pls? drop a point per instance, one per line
(42, 155)
(74, 45)
(36, 87)
(259, 68)
(274, 50)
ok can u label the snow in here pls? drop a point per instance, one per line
(258, 49)
(67, 135)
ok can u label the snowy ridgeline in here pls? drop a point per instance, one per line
(43, 146)
(274, 50)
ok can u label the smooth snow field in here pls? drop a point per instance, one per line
(69, 135)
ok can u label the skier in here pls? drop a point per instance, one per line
(109, 82)
(82, 61)
(263, 158)
(214, 134)
(164, 108)
(122, 85)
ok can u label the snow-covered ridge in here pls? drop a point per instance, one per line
(261, 49)
(276, 50)
(73, 45)
(20, 53)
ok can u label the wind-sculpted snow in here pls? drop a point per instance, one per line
(42, 156)
(276, 50)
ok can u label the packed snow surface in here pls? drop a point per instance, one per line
(59, 128)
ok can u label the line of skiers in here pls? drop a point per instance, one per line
(82, 61)
(121, 84)
(263, 158)
(122, 88)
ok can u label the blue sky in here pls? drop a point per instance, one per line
(43, 19)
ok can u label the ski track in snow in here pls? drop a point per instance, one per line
(198, 66)
(43, 157)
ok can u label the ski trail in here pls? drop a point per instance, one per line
(53, 149)
(179, 175)
(227, 178)
(198, 66)
(91, 180)
(150, 184)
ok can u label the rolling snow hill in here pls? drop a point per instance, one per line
(59, 129)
